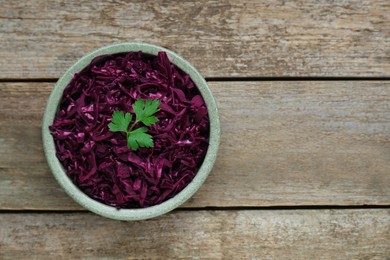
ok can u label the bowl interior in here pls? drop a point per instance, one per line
(142, 213)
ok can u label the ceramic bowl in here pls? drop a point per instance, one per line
(142, 213)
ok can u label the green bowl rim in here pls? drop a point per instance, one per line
(130, 214)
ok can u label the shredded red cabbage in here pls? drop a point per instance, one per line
(99, 162)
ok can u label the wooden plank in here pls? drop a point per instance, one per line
(304, 234)
(41, 39)
(283, 143)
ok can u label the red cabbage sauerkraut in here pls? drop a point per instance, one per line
(99, 162)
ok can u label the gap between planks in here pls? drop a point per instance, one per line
(269, 208)
(219, 79)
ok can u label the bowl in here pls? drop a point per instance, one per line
(137, 213)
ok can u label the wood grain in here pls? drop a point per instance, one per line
(41, 39)
(324, 234)
(283, 143)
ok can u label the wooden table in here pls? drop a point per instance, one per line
(303, 89)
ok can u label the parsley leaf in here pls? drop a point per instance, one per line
(144, 112)
(139, 138)
(120, 121)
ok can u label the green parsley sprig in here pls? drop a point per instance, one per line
(144, 113)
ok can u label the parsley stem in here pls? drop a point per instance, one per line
(132, 126)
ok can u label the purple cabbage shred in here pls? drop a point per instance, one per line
(99, 162)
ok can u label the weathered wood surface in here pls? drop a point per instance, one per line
(305, 234)
(283, 143)
(41, 39)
